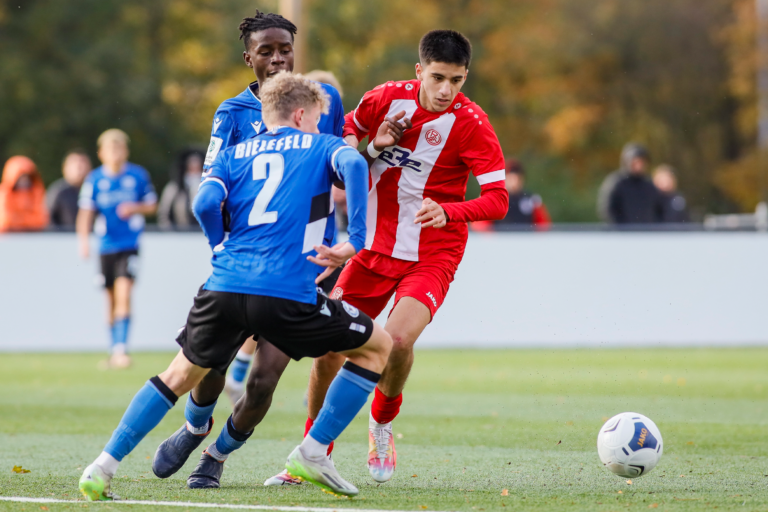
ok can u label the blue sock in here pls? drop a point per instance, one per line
(347, 395)
(228, 441)
(197, 415)
(145, 411)
(240, 367)
(120, 330)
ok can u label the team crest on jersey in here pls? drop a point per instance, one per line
(350, 309)
(457, 106)
(337, 293)
(433, 137)
(408, 87)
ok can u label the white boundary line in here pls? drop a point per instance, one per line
(196, 504)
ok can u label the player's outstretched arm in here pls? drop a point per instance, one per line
(207, 210)
(83, 225)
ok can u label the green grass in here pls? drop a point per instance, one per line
(473, 423)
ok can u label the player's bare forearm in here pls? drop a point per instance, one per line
(83, 224)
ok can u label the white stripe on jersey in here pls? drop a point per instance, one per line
(491, 177)
(410, 191)
(378, 168)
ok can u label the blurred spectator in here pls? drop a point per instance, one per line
(61, 197)
(175, 208)
(325, 77)
(22, 197)
(525, 208)
(633, 155)
(634, 198)
(673, 204)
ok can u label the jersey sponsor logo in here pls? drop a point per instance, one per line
(432, 298)
(216, 124)
(257, 127)
(213, 150)
(400, 157)
(337, 293)
(433, 137)
(350, 309)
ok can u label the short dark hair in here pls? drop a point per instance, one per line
(446, 46)
(263, 21)
(76, 151)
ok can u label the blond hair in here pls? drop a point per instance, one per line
(113, 134)
(286, 92)
(325, 77)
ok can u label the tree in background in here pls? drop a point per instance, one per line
(565, 82)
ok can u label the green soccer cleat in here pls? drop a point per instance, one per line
(94, 484)
(320, 472)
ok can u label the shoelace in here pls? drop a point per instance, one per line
(381, 438)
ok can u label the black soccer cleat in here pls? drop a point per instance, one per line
(207, 474)
(174, 451)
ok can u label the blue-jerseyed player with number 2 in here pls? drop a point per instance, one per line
(276, 188)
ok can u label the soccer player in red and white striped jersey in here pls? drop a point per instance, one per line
(417, 216)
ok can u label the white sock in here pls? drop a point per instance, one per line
(312, 448)
(232, 383)
(108, 463)
(372, 423)
(118, 349)
(213, 452)
(244, 356)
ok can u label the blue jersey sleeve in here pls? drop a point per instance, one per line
(147, 189)
(223, 135)
(87, 197)
(336, 111)
(214, 190)
(350, 167)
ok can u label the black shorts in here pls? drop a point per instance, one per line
(329, 283)
(219, 323)
(119, 264)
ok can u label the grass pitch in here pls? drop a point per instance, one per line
(479, 430)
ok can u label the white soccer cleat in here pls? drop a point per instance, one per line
(282, 478)
(320, 472)
(382, 456)
(95, 483)
(234, 390)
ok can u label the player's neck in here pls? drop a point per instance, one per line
(114, 169)
(422, 98)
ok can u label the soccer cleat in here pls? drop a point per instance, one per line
(282, 478)
(382, 456)
(94, 484)
(234, 390)
(207, 474)
(320, 472)
(174, 451)
(120, 361)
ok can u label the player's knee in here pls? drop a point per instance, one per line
(401, 344)
(329, 363)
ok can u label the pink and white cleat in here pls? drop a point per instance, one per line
(382, 456)
(282, 479)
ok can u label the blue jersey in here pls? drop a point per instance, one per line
(277, 190)
(238, 119)
(103, 191)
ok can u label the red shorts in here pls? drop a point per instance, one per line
(369, 279)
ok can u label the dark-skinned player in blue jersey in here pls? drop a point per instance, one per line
(277, 189)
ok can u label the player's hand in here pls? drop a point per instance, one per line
(431, 215)
(125, 210)
(391, 130)
(331, 258)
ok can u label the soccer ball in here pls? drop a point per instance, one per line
(629, 445)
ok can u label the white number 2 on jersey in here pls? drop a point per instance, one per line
(259, 213)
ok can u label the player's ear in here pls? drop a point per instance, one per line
(247, 59)
(418, 70)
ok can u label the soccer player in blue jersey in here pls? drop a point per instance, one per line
(121, 193)
(268, 40)
(276, 188)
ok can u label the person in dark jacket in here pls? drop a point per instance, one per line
(525, 208)
(175, 208)
(674, 206)
(632, 155)
(62, 195)
(635, 199)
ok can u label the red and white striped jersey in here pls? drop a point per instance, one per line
(432, 160)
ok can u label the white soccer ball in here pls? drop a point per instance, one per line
(629, 445)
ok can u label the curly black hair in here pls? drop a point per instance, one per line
(263, 21)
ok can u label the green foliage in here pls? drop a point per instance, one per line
(473, 423)
(565, 82)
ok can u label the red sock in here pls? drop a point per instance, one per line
(385, 409)
(308, 425)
